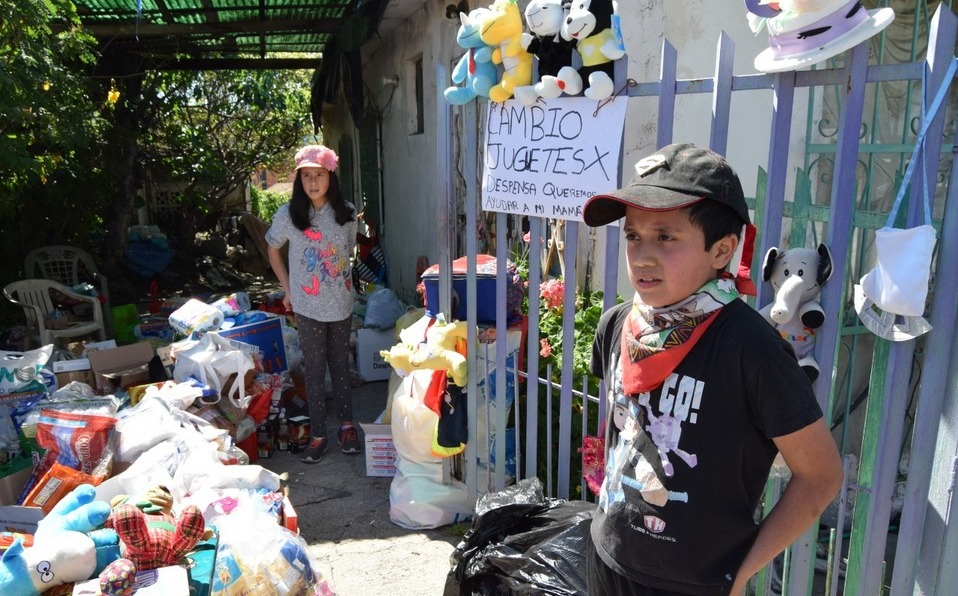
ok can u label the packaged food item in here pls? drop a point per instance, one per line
(77, 441)
(58, 481)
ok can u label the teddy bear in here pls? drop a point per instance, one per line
(796, 276)
(589, 23)
(475, 70)
(544, 20)
(444, 349)
(149, 534)
(502, 29)
(67, 547)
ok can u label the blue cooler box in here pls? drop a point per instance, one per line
(485, 289)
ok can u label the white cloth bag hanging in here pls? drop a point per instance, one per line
(898, 284)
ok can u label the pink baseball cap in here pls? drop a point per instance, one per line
(316, 156)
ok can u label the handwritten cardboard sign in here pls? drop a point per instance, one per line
(547, 159)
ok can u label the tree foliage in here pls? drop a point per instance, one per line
(53, 117)
(46, 115)
(212, 129)
(84, 127)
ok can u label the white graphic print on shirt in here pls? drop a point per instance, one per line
(635, 422)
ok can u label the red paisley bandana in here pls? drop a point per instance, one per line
(655, 340)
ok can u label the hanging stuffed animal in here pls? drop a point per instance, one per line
(796, 276)
(544, 19)
(502, 29)
(475, 70)
(443, 350)
(590, 24)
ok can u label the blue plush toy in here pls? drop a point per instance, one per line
(67, 547)
(475, 70)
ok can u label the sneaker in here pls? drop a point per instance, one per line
(315, 450)
(349, 440)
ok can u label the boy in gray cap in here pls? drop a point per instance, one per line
(703, 392)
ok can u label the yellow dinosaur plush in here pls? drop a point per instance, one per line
(444, 350)
(502, 29)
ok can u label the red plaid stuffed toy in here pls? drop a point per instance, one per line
(155, 539)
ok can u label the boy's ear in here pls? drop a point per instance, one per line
(723, 250)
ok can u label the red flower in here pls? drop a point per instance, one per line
(552, 293)
(546, 349)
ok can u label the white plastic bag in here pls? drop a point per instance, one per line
(418, 498)
(383, 309)
(212, 361)
(413, 424)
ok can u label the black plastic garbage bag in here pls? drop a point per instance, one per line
(522, 543)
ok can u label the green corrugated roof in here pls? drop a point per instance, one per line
(209, 32)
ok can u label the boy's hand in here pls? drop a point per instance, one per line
(816, 467)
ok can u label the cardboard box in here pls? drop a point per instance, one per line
(14, 518)
(121, 367)
(369, 362)
(68, 371)
(294, 398)
(290, 518)
(151, 582)
(379, 449)
(267, 335)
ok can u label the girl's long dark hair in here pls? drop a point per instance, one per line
(300, 204)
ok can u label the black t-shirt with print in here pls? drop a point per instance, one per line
(686, 463)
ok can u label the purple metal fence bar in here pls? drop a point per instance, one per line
(532, 346)
(472, 334)
(568, 344)
(445, 188)
(770, 232)
(502, 345)
(722, 94)
(549, 426)
(917, 527)
(932, 391)
(610, 289)
(666, 92)
(838, 239)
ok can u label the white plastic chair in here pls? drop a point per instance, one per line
(69, 266)
(34, 296)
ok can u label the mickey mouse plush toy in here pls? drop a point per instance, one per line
(544, 18)
(589, 23)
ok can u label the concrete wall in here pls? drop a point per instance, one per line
(409, 160)
(409, 167)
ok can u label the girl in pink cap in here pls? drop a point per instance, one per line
(320, 227)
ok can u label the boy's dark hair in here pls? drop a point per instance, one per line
(300, 204)
(714, 219)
